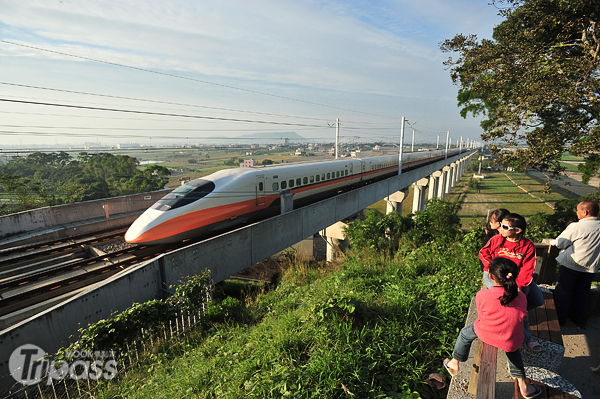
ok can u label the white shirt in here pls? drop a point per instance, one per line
(580, 245)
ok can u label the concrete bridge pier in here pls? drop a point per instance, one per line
(419, 188)
(444, 178)
(453, 174)
(434, 184)
(449, 177)
(336, 242)
(394, 201)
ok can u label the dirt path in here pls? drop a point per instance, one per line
(582, 351)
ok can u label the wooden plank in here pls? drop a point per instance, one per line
(533, 322)
(553, 325)
(486, 386)
(474, 380)
(542, 323)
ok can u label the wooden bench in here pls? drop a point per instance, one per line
(543, 323)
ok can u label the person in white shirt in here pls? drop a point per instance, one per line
(579, 259)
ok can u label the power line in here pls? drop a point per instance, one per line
(155, 101)
(157, 113)
(193, 79)
(190, 129)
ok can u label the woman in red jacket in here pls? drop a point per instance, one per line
(512, 244)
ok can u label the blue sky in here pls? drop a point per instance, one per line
(276, 65)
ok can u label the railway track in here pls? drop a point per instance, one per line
(33, 275)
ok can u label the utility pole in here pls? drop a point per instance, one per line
(447, 143)
(337, 136)
(437, 146)
(401, 145)
(460, 148)
(412, 148)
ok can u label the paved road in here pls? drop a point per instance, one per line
(573, 181)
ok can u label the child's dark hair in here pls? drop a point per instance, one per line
(517, 221)
(498, 214)
(505, 272)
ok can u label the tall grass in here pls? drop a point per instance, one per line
(364, 328)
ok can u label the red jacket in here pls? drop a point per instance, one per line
(521, 252)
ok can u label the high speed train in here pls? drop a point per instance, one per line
(232, 197)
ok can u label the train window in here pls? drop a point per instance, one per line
(298, 181)
(283, 185)
(312, 179)
(346, 172)
(185, 194)
(291, 183)
(260, 186)
(305, 180)
(318, 178)
(275, 186)
(322, 176)
(337, 174)
(328, 176)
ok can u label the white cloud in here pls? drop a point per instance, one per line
(385, 51)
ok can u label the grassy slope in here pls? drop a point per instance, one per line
(370, 327)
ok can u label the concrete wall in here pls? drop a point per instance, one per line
(224, 255)
(64, 221)
(46, 217)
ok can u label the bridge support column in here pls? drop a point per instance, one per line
(334, 235)
(448, 185)
(443, 183)
(453, 174)
(394, 201)
(419, 195)
(434, 184)
(458, 173)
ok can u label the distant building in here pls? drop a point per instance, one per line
(248, 163)
(331, 151)
(376, 148)
(284, 141)
(184, 180)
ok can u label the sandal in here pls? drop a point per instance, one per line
(534, 346)
(537, 393)
(451, 371)
(436, 381)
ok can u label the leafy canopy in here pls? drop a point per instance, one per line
(43, 179)
(537, 82)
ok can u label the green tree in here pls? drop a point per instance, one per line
(25, 193)
(267, 162)
(537, 82)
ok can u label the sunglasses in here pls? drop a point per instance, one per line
(507, 227)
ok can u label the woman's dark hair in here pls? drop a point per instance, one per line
(517, 221)
(505, 272)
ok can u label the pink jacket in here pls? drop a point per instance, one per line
(497, 325)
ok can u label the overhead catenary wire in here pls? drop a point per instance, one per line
(155, 113)
(193, 79)
(157, 101)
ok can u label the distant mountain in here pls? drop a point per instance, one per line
(292, 136)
